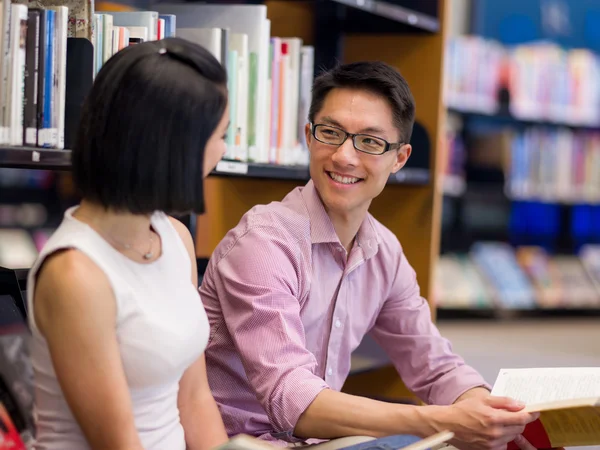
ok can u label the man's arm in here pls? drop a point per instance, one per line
(424, 359)
(336, 414)
(257, 283)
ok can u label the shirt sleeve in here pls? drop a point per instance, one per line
(422, 357)
(258, 284)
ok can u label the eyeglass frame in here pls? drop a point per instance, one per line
(388, 145)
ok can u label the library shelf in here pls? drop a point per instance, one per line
(408, 175)
(391, 11)
(35, 158)
(52, 159)
(255, 170)
(498, 313)
(504, 117)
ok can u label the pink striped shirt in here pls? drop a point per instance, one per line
(287, 307)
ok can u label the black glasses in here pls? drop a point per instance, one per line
(365, 143)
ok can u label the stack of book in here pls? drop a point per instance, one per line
(550, 83)
(494, 275)
(33, 44)
(473, 73)
(269, 77)
(545, 82)
(554, 165)
(113, 31)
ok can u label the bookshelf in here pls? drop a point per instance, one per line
(520, 151)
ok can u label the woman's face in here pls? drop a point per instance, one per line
(216, 146)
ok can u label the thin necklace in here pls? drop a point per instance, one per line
(147, 256)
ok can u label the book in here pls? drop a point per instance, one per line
(567, 398)
(245, 442)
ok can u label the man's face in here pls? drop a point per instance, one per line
(347, 179)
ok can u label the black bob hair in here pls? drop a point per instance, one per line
(145, 125)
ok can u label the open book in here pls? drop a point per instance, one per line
(567, 398)
(245, 442)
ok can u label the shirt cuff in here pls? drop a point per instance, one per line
(290, 401)
(455, 383)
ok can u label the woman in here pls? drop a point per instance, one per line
(118, 327)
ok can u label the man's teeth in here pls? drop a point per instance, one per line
(343, 180)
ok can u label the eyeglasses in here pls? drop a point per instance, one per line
(365, 143)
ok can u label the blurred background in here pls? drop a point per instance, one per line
(521, 217)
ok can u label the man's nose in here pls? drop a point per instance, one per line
(346, 153)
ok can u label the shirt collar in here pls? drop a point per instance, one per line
(321, 228)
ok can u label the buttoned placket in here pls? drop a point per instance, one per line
(340, 310)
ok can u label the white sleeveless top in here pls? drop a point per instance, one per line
(162, 329)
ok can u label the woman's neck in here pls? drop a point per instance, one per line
(122, 227)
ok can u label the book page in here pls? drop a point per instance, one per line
(572, 427)
(543, 385)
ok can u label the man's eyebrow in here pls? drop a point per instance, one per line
(331, 121)
(372, 130)
(366, 130)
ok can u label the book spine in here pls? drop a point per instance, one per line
(60, 73)
(4, 76)
(275, 80)
(41, 79)
(252, 107)
(98, 42)
(19, 34)
(31, 78)
(46, 132)
(108, 36)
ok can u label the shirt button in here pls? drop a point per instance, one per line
(338, 324)
(330, 371)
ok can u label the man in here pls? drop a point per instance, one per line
(292, 290)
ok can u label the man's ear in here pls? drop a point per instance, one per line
(402, 156)
(308, 135)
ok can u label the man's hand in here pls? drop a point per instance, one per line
(485, 423)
